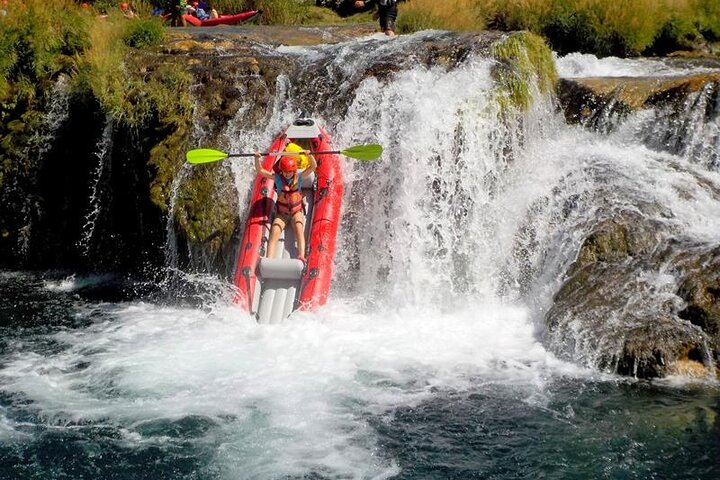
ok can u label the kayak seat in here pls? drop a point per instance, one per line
(281, 268)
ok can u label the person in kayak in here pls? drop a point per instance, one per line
(203, 11)
(289, 204)
(387, 13)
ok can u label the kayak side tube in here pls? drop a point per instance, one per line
(315, 286)
(257, 231)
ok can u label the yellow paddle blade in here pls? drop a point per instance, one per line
(363, 152)
(204, 155)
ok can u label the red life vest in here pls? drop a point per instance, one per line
(290, 199)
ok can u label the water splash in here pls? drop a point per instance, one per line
(577, 65)
(103, 153)
(171, 247)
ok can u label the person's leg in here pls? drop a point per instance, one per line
(298, 221)
(388, 15)
(275, 230)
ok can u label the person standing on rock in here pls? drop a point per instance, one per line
(176, 9)
(387, 13)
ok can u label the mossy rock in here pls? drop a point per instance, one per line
(524, 59)
(616, 239)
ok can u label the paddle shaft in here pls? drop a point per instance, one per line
(284, 153)
(358, 152)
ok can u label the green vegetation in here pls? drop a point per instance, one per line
(287, 12)
(42, 41)
(525, 60)
(603, 27)
(609, 27)
(459, 15)
(144, 33)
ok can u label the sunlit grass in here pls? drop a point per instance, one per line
(456, 15)
(620, 27)
(604, 27)
(102, 66)
(37, 41)
(123, 94)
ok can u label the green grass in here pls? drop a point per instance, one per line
(603, 27)
(458, 15)
(609, 27)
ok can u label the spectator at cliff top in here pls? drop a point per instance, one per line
(127, 10)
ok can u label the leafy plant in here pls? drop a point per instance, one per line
(144, 33)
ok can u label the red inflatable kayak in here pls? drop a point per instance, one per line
(271, 289)
(222, 19)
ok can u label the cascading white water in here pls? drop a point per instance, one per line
(690, 130)
(450, 249)
(103, 150)
(57, 114)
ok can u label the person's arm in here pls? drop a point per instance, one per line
(313, 165)
(259, 168)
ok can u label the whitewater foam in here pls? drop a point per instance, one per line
(588, 65)
(281, 399)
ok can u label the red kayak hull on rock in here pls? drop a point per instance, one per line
(222, 19)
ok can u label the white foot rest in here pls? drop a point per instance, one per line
(281, 268)
(309, 181)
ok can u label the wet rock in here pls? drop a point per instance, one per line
(589, 100)
(700, 288)
(639, 302)
(615, 239)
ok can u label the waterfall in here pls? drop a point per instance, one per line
(42, 141)
(171, 248)
(434, 355)
(476, 202)
(691, 131)
(103, 151)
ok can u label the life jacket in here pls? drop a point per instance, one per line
(290, 199)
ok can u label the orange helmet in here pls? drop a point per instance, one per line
(288, 164)
(124, 6)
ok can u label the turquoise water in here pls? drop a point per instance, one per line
(614, 430)
(74, 404)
